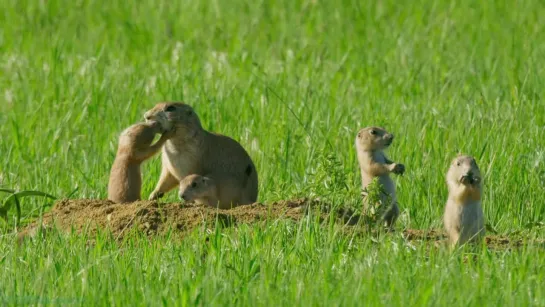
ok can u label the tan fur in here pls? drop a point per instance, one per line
(370, 145)
(193, 150)
(134, 148)
(463, 217)
(214, 192)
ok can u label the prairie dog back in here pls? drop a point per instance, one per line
(194, 150)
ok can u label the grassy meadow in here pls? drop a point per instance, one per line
(292, 81)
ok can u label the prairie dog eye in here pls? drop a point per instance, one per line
(373, 132)
(170, 109)
(458, 163)
(194, 185)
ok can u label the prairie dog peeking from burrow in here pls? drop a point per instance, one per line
(214, 191)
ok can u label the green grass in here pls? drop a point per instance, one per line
(291, 80)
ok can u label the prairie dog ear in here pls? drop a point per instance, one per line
(207, 180)
(170, 108)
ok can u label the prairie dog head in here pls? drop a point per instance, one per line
(140, 135)
(373, 138)
(175, 115)
(195, 186)
(464, 171)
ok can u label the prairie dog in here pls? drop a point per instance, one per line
(134, 147)
(463, 217)
(370, 145)
(211, 191)
(194, 150)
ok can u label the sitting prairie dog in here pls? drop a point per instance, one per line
(194, 150)
(134, 148)
(463, 217)
(210, 190)
(370, 145)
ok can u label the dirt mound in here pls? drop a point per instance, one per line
(492, 241)
(154, 218)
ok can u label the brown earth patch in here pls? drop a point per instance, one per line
(492, 241)
(153, 218)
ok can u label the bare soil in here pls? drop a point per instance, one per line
(153, 218)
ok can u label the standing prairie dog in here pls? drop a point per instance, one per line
(370, 145)
(211, 191)
(194, 150)
(134, 148)
(463, 218)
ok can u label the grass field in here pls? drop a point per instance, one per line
(293, 81)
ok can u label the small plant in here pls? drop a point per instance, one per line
(329, 177)
(374, 208)
(14, 199)
(330, 174)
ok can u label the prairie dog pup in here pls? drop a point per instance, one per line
(134, 148)
(194, 150)
(218, 193)
(370, 145)
(464, 218)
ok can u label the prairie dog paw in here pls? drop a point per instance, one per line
(156, 195)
